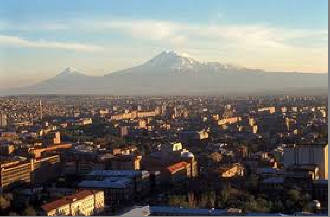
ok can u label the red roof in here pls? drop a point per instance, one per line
(177, 166)
(67, 199)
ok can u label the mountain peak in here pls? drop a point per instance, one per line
(171, 59)
(170, 73)
(169, 52)
(175, 53)
(70, 70)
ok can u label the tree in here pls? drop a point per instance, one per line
(4, 203)
(294, 195)
(225, 193)
(264, 205)
(290, 206)
(250, 205)
(211, 199)
(29, 211)
(278, 206)
(306, 203)
(252, 182)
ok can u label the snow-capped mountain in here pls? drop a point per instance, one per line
(69, 71)
(172, 60)
(173, 73)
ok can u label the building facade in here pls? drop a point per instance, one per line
(82, 203)
(315, 154)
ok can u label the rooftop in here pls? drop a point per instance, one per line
(163, 210)
(274, 180)
(177, 166)
(127, 173)
(67, 199)
(110, 182)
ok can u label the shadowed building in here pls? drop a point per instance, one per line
(313, 154)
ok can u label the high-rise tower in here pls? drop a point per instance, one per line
(40, 107)
(3, 120)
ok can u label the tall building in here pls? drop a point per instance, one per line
(3, 120)
(14, 172)
(252, 122)
(270, 109)
(123, 131)
(40, 107)
(6, 149)
(254, 129)
(126, 162)
(53, 138)
(57, 138)
(45, 168)
(119, 186)
(313, 154)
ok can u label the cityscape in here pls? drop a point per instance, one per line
(104, 113)
(108, 155)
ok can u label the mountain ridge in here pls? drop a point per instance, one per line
(172, 73)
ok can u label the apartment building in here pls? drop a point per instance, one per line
(82, 203)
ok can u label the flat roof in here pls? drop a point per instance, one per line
(321, 181)
(127, 173)
(185, 211)
(111, 182)
(137, 211)
(275, 180)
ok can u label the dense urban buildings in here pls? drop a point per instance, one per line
(183, 155)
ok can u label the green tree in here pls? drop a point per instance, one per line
(252, 182)
(290, 206)
(278, 206)
(29, 211)
(250, 205)
(211, 199)
(225, 193)
(294, 195)
(264, 205)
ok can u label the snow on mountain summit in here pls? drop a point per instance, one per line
(70, 71)
(171, 59)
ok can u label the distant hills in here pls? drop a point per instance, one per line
(172, 74)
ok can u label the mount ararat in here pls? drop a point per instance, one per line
(172, 74)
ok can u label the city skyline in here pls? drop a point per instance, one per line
(167, 155)
(45, 37)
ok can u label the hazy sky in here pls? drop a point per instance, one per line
(39, 38)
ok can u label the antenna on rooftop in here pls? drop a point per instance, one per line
(40, 107)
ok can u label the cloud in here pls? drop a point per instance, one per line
(255, 45)
(178, 33)
(14, 41)
(141, 29)
(248, 35)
